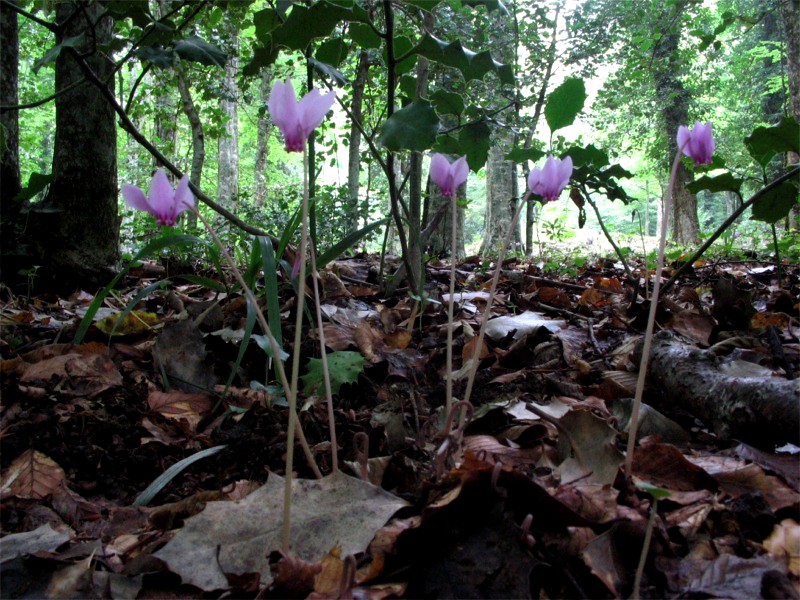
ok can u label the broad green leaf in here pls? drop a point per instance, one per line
(332, 52)
(472, 141)
(519, 155)
(196, 49)
(160, 57)
(403, 47)
(766, 142)
(408, 87)
(447, 103)
(364, 36)
(471, 65)
(589, 155)
(302, 25)
(720, 183)
(564, 103)
(53, 53)
(411, 128)
(36, 183)
(344, 366)
(616, 171)
(136, 10)
(776, 204)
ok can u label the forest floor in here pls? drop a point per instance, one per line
(527, 500)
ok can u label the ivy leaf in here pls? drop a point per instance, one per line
(343, 366)
(53, 53)
(402, 46)
(472, 65)
(721, 183)
(519, 155)
(472, 141)
(589, 155)
(564, 104)
(775, 204)
(411, 128)
(332, 52)
(198, 50)
(766, 142)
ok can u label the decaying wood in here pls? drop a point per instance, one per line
(762, 411)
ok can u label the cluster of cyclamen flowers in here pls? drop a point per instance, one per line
(297, 120)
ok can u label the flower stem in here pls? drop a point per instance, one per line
(265, 327)
(492, 291)
(298, 338)
(453, 243)
(633, 425)
(326, 375)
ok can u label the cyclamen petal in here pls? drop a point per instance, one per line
(550, 180)
(448, 177)
(164, 203)
(297, 120)
(698, 144)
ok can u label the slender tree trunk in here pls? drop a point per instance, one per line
(9, 96)
(354, 151)
(228, 145)
(198, 137)
(674, 101)
(500, 198)
(264, 126)
(439, 241)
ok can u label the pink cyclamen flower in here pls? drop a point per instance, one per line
(449, 177)
(297, 120)
(550, 180)
(164, 203)
(698, 144)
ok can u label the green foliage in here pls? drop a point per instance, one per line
(766, 142)
(470, 64)
(776, 203)
(564, 104)
(344, 367)
(411, 128)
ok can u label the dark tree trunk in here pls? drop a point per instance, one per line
(790, 13)
(77, 228)
(10, 222)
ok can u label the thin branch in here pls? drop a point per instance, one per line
(42, 101)
(30, 16)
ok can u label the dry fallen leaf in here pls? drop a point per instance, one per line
(32, 475)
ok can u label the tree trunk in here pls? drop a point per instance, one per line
(790, 13)
(10, 222)
(228, 145)
(762, 412)
(264, 127)
(674, 102)
(198, 138)
(354, 150)
(77, 233)
(439, 242)
(500, 199)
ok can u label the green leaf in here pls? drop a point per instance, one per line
(53, 53)
(36, 183)
(655, 491)
(332, 52)
(347, 242)
(519, 155)
(766, 142)
(411, 128)
(426, 5)
(402, 46)
(196, 49)
(564, 103)
(491, 5)
(471, 65)
(343, 366)
(589, 155)
(447, 103)
(162, 480)
(364, 36)
(302, 26)
(472, 141)
(721, 183)
(160, 57)
(271, 286)
(776, 204)
(328, 70)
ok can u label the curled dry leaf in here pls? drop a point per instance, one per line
(180, 406)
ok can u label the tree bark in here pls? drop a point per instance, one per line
(500, 199)
(198, 137)
(439, 242)
(228, 145)
(763, 412)
(264, 126)
(354, 150)
(77, 230)
(790, 14)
